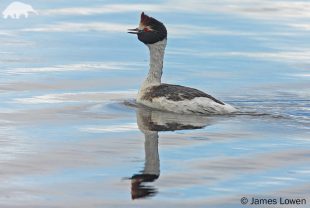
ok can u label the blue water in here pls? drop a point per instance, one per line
(69, 138)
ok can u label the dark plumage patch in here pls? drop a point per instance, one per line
(172, 127)
(176, 93)
(145, 177)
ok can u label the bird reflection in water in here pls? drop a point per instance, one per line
(150, 122)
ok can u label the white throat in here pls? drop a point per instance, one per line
(157, 51)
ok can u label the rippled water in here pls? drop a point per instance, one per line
(72, 136)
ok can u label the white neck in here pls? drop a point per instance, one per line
(157, 51)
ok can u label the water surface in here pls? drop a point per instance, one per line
(69, 138)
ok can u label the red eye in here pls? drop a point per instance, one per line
(146, 29)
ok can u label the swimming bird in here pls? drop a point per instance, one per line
(169, 97)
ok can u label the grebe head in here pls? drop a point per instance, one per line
(150, 30)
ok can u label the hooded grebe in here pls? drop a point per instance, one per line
(167, 97)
